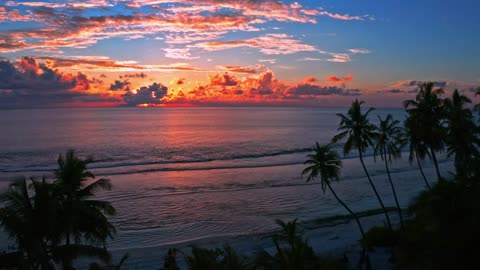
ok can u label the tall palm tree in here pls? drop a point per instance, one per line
(388, 145)
(84, 218)
(428, 112)
(462, 132)
(418, 150)
(326, 164)
(360, 133)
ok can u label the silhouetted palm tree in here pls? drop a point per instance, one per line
(84, 218)
(30, 221)
(462, 132)
(360, 133)
(325, 164)
(427, 111)
(30, 215)
(417, 148)
(388, 145)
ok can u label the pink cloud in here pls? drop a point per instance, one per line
(336, 79)
(7, 15)
(270, 44)
(85, 63)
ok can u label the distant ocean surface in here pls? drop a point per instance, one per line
(181, 174)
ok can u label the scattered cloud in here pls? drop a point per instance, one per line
(106, 65)
(119, 85)
(335, 79)
(63, 24)
(310, 79)
(310, 59)
(359, 51)
(244, 69)
(135, 75)
(270, 60)
(344, 17)
(269, 44)
(179, 53)
(339, 58)
(9, 15)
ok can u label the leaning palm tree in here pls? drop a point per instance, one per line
(462, 132)
(388, 145)
(325, 164)
(360, 133)
(428, 112)
(84, 218)
(418, 150)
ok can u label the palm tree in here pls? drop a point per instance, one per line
(30, 216)
(29, 220)
(360, 133)
(418, 150)
(427, 111)
(388, 145)
(326, 164)
(462, 140)
(84, 218)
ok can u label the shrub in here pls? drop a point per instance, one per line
(443, 232)
(380, 236)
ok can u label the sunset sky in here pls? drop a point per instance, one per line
(225, 52)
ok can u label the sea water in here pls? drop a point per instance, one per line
(181, 174)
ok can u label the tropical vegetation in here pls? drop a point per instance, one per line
(356, 128)
(56, 221)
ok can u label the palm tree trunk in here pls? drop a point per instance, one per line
(375, 190)
(434, 157)
(67, 261)
(421, 170)
(393, 188)
(365, 255)
(348, 209)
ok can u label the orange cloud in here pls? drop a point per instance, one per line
(186, 23)
(336, 79)
(310, 79)
(106, 64)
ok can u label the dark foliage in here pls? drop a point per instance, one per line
(443, 233)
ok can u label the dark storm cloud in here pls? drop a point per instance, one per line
(151, 94)
(119, 85)
(29, 83)
(135, 75)
(306, 89)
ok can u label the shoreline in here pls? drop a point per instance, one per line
(337, 240)
(333, 234)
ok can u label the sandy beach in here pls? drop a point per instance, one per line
(336, 237)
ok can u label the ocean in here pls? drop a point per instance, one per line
(183, 174)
